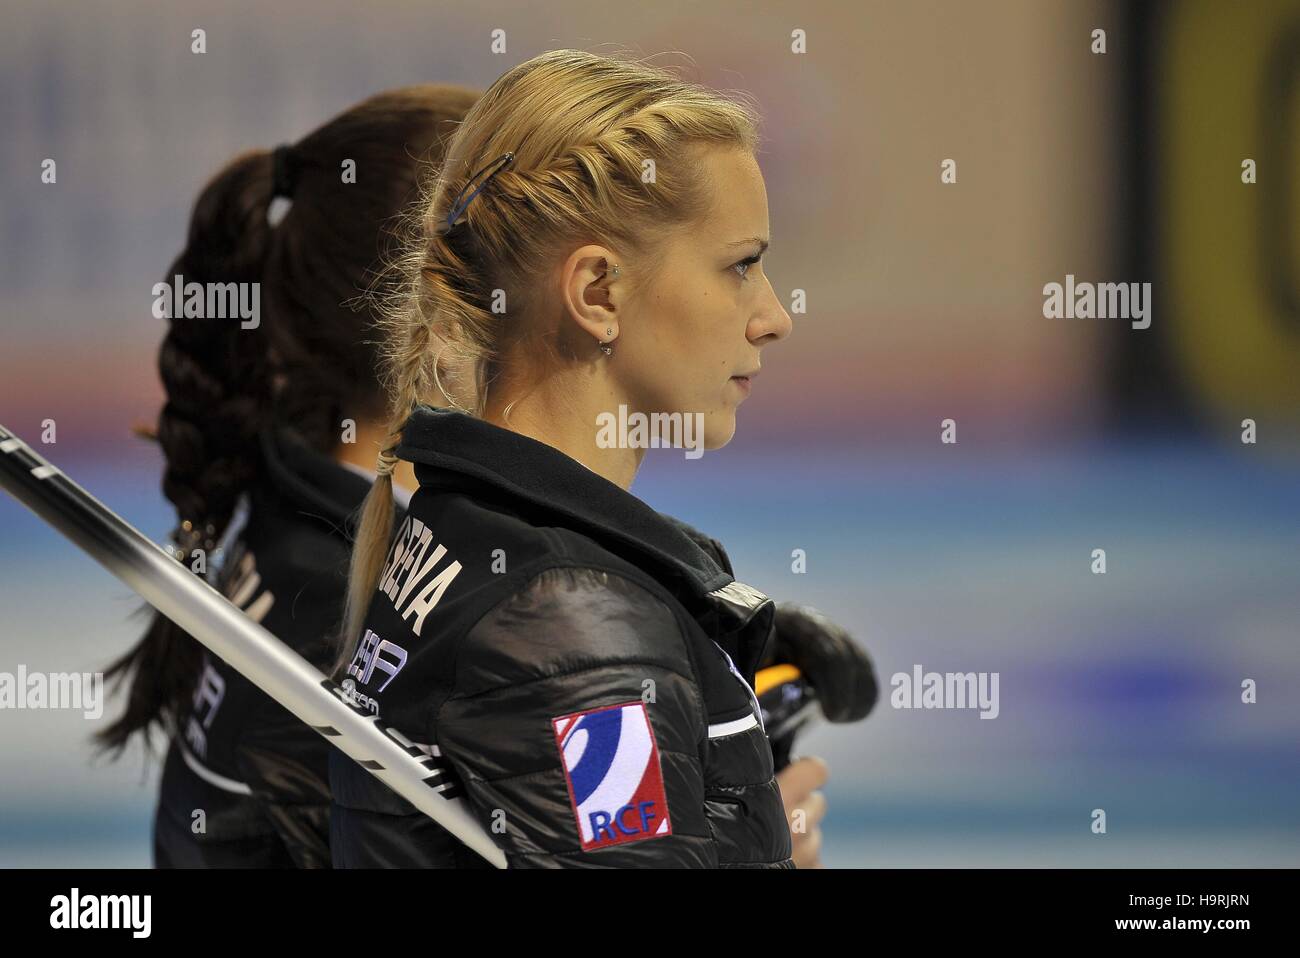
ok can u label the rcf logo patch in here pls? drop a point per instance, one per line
(616, 786)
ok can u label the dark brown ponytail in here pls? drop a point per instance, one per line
(310, 360)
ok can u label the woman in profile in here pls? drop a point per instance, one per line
(577, 665)
(267, 434)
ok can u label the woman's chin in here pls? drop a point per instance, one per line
(719, 429)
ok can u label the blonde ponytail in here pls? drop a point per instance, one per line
(368, 554)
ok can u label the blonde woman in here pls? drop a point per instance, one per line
(577, 664)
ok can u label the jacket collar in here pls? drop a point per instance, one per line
(310, 482)
(469, 451)
(532, 477)
(548, 482)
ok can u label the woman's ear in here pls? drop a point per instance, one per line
(585, 292)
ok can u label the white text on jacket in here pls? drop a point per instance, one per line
(406, 579)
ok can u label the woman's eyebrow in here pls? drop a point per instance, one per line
(762, 243)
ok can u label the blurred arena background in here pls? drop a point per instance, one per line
(1118, 691)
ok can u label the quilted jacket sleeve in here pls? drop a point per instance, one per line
(577, 727)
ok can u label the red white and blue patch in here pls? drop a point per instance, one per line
(616, 785)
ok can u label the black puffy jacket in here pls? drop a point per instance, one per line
(245, 783)
(578, 663)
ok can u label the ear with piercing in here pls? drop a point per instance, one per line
(604, 344)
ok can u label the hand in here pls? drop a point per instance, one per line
(805, 807)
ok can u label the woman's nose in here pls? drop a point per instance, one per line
(772, 323)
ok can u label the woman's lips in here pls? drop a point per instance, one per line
(743, 382)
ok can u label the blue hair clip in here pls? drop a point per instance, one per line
(457, 208)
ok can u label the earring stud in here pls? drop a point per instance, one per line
(606, 348)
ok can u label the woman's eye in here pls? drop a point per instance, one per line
(742, 268)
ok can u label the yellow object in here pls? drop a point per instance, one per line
(773, 676)
(1235, 343)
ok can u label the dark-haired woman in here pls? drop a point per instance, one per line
(265, 432)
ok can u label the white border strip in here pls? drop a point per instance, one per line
(211, 777)
(731, 728)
